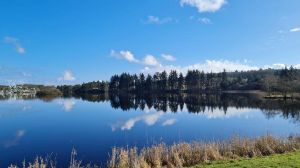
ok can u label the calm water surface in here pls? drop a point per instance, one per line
(30, 128)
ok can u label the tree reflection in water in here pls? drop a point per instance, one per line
(199, 103)
(194, 103)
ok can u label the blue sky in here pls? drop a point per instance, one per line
(75, 41)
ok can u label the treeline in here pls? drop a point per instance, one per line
(285, 81)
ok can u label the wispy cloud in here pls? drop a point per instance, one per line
(204, 20)
(296, 29)
(156, 20)
(67, 76)
(168, 57)
(26, 107)
(13, 75)
(204, 5)
(16, 43)
(292, 30)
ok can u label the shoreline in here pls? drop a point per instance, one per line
(194, 154)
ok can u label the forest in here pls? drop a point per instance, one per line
(283, 81)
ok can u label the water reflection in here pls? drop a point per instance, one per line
(169, 122)
(212, 106)
(15, 141)
(67, 104)
(148, 119)
(32, 126)
(26, 107)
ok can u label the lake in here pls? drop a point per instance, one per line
(93, 124)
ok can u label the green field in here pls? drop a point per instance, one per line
(289, 160)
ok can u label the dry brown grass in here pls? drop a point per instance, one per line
(49, 162)
(189, 154)
(181, 154)
(39, 162)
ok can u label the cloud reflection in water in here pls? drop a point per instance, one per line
(15, 141)
(149, 119)
(67, 104)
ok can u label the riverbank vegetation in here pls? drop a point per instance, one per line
(48, 91)
(190, 154)
(30, 89)
(237, 152)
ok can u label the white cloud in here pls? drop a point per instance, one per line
(204, 5)
(14, 41)
(220, 65)
(281, 66)
(152, 65)
(127, 55)
(150, 60)
(297, 66)
(207, 66)
(297, 29)
(168, 57)
(156, 20)
(169, 122)
(67, 76)
(215, 66)
(204, 20)
(25, 74)
(275, 66)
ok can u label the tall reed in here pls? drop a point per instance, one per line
(189, 154)
(181, 154)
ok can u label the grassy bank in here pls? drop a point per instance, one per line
(264, 151)
(190, 154)
(288, 160)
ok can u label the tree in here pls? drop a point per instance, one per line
(224, 80)
(180, 82)
(142, 82)
(269, 83)
(173, 81)
(163, 81)
(148, 83)
(114, 83)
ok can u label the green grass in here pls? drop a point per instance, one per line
(288, 160)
